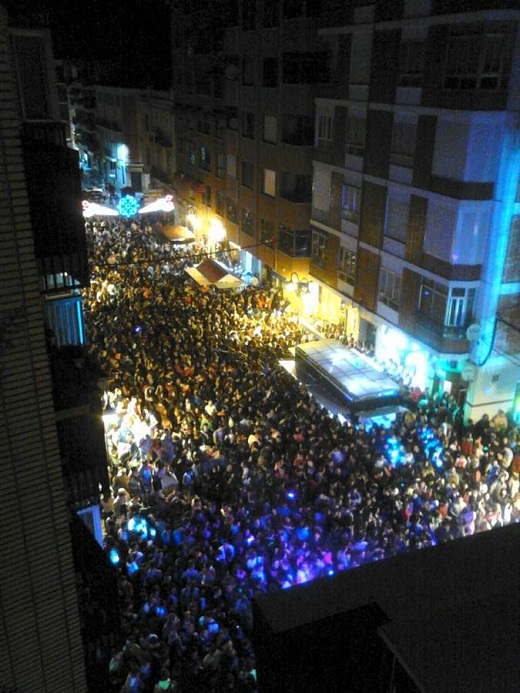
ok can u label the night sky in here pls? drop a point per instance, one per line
(135, 36)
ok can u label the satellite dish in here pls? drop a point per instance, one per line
(473, 332)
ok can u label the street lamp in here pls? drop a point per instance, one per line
(217, 233)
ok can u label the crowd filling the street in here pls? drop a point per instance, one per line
(229, 479)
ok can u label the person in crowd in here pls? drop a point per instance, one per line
(230, 479)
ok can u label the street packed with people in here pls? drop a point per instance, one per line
(229, 479)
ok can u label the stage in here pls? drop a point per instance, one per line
(350, 376)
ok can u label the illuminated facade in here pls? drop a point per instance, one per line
(415, 216)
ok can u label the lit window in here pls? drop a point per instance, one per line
(319, 247)
(460, 307)
(324, 130)
(347, 266)
(389, 288)
(248, 222)
(350, 202)
(269, 186)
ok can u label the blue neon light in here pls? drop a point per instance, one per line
(128, 206)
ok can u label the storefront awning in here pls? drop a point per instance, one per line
(211, 273)
(176, 233)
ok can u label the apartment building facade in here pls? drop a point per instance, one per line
(54, 462)
(415, 210)
(244, 80)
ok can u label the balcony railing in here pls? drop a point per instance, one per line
(446, 338)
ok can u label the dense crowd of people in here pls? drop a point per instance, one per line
(228, 478)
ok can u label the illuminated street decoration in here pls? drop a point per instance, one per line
(163, 204)
(91, 209)
(128, 206)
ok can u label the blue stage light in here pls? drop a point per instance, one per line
(114, 557)
(291, 495)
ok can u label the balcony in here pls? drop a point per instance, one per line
(443, 338)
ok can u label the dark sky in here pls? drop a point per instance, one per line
(135, 34)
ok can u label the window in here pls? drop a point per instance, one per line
(397, 212)
(248, 14)
(389, 288)
(347, 266)
(474, 61)
(296, 188)
(266, 231)
(297, 130)
(403, 144)
(205, 159)
(271, 13)
(270, 129)
(270, 72)
(324, 130)
(248, 222)
(232, 165)
(319, 247)
(269, 183)
(293, 243)
(231, 210)
(221, 165)
(411, 61)
(248, 125)
(248, 72)
(305, 68)
(206, 196)
(220, 203)
(190, 153)
(350, 202)
(355, 137)
(460, 307)
(248, 174)
(433, 300)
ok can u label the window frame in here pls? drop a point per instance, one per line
(390, 285)
(319, 241)
(269, 185)
(347, 265)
